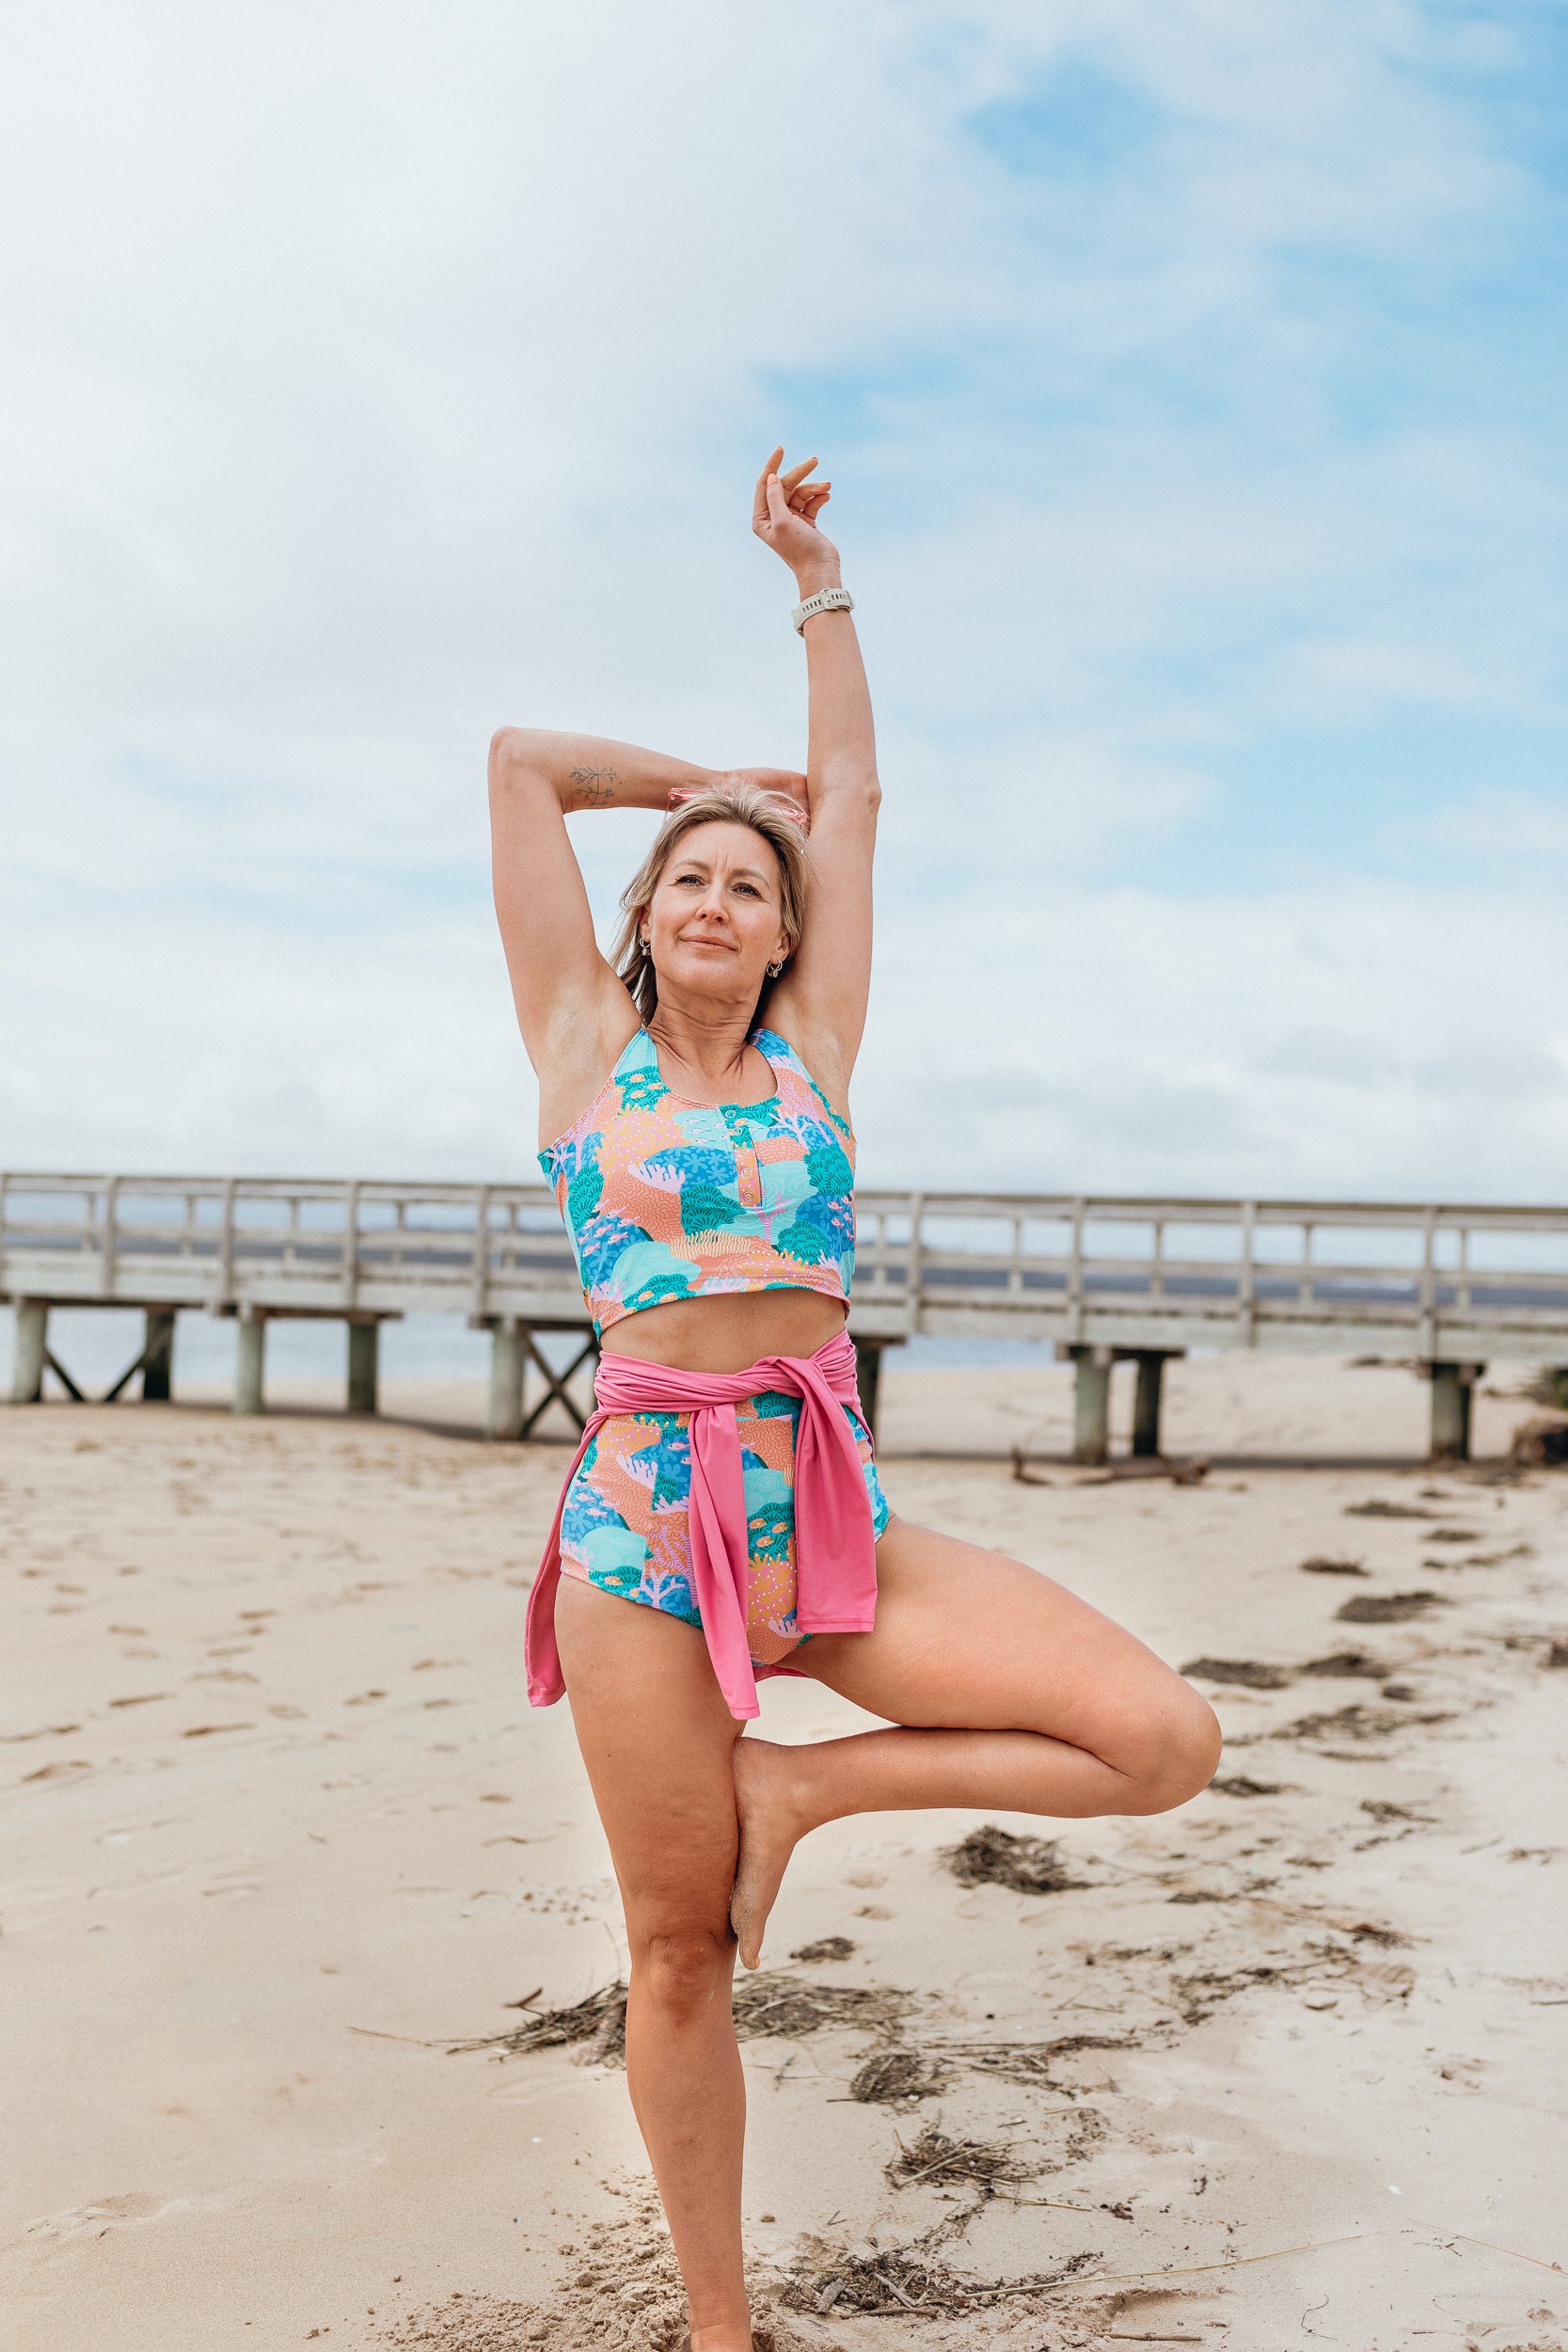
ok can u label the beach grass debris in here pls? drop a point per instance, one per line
(1378, 1509)
(1333, 1564)
(1024, 1475)
(599, 2019)
(1385, 1809)
(826, 1948)
(889, 2078)
(1031, 2062)
(769, 2003)
(1355, 1722)
(1541, 1444)
(991, 1856)
(1387, 1607)
(940, 2161)
(1251, 1674)
(1347, 1664)
(1557, 1654)
(765, 2004)
(1242, 1785)
(888, 2282)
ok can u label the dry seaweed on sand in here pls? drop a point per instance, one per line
(939, 2162)
(1541, 1444)
(771, 2004)
(1032, 2061)
(1329, 1563)
(1347, 1664)
(1250, 1672)
(886, 2283)
(1377, 1509)
(1557, 1654)
(600, 2018)
(990, 1856)
(895, 2074)
(826, 1948)
(1387, 1607)
(1355, 1722)
(1242, 1785)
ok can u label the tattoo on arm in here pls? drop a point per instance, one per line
(593, 787)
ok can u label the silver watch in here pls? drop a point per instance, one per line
(826, 600)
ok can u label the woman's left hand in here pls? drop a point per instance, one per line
(783, 516)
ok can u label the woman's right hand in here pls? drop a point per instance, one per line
(787, 782)
(784, 516)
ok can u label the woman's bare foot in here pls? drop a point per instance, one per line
(771, 1823)
(721, 2339)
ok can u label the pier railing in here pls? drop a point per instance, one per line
(1441, 1284)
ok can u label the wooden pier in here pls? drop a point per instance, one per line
(1444, 1288)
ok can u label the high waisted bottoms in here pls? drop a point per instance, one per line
(626, 1527)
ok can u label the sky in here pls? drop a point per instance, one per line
(1190, 373)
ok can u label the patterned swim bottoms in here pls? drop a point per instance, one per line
(624, 1525)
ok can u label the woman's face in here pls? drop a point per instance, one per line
(714, 923)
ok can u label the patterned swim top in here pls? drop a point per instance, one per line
(666, 1198)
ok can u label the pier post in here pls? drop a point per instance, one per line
(1146, 1397)
(1091, 1413)
(364, 1363)
(508, 1365)
(1454, 1388)
(251, 1355)
(157, 1369)
(32, 1346)
(869, 1380)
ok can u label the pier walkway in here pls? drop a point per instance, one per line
(1442, 1287)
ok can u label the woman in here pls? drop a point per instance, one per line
(725, 1514)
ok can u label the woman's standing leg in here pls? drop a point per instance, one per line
(657, 1738)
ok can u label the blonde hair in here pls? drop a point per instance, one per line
(732, 801)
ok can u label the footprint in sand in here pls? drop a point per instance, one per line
(104, 2213)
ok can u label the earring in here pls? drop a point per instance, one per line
(774, 969)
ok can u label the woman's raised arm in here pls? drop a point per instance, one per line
(820, 1002)
(570, 1004)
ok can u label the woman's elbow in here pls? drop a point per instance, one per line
(511, 760)
(851, 787)
(505, 746)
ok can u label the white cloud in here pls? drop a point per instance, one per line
(377, 376)
(1500, 823)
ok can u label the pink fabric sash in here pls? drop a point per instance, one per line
(835, 1555)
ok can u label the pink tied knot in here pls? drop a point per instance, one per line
(834, 1549)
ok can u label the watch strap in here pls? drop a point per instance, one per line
(826, 600)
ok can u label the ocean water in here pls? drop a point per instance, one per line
(95, 1344)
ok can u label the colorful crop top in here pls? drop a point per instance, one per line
(666, 1198)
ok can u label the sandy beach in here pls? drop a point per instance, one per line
(281, 1830)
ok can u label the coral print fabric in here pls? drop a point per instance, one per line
(626, 1523)
(666, 1198)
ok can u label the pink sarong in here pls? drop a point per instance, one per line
(835, 1552)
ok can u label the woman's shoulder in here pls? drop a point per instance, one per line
(634, 1072)
(786, 1056)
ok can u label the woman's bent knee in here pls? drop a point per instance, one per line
(1182, 1757)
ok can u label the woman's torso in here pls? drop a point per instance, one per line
(709, 1235)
